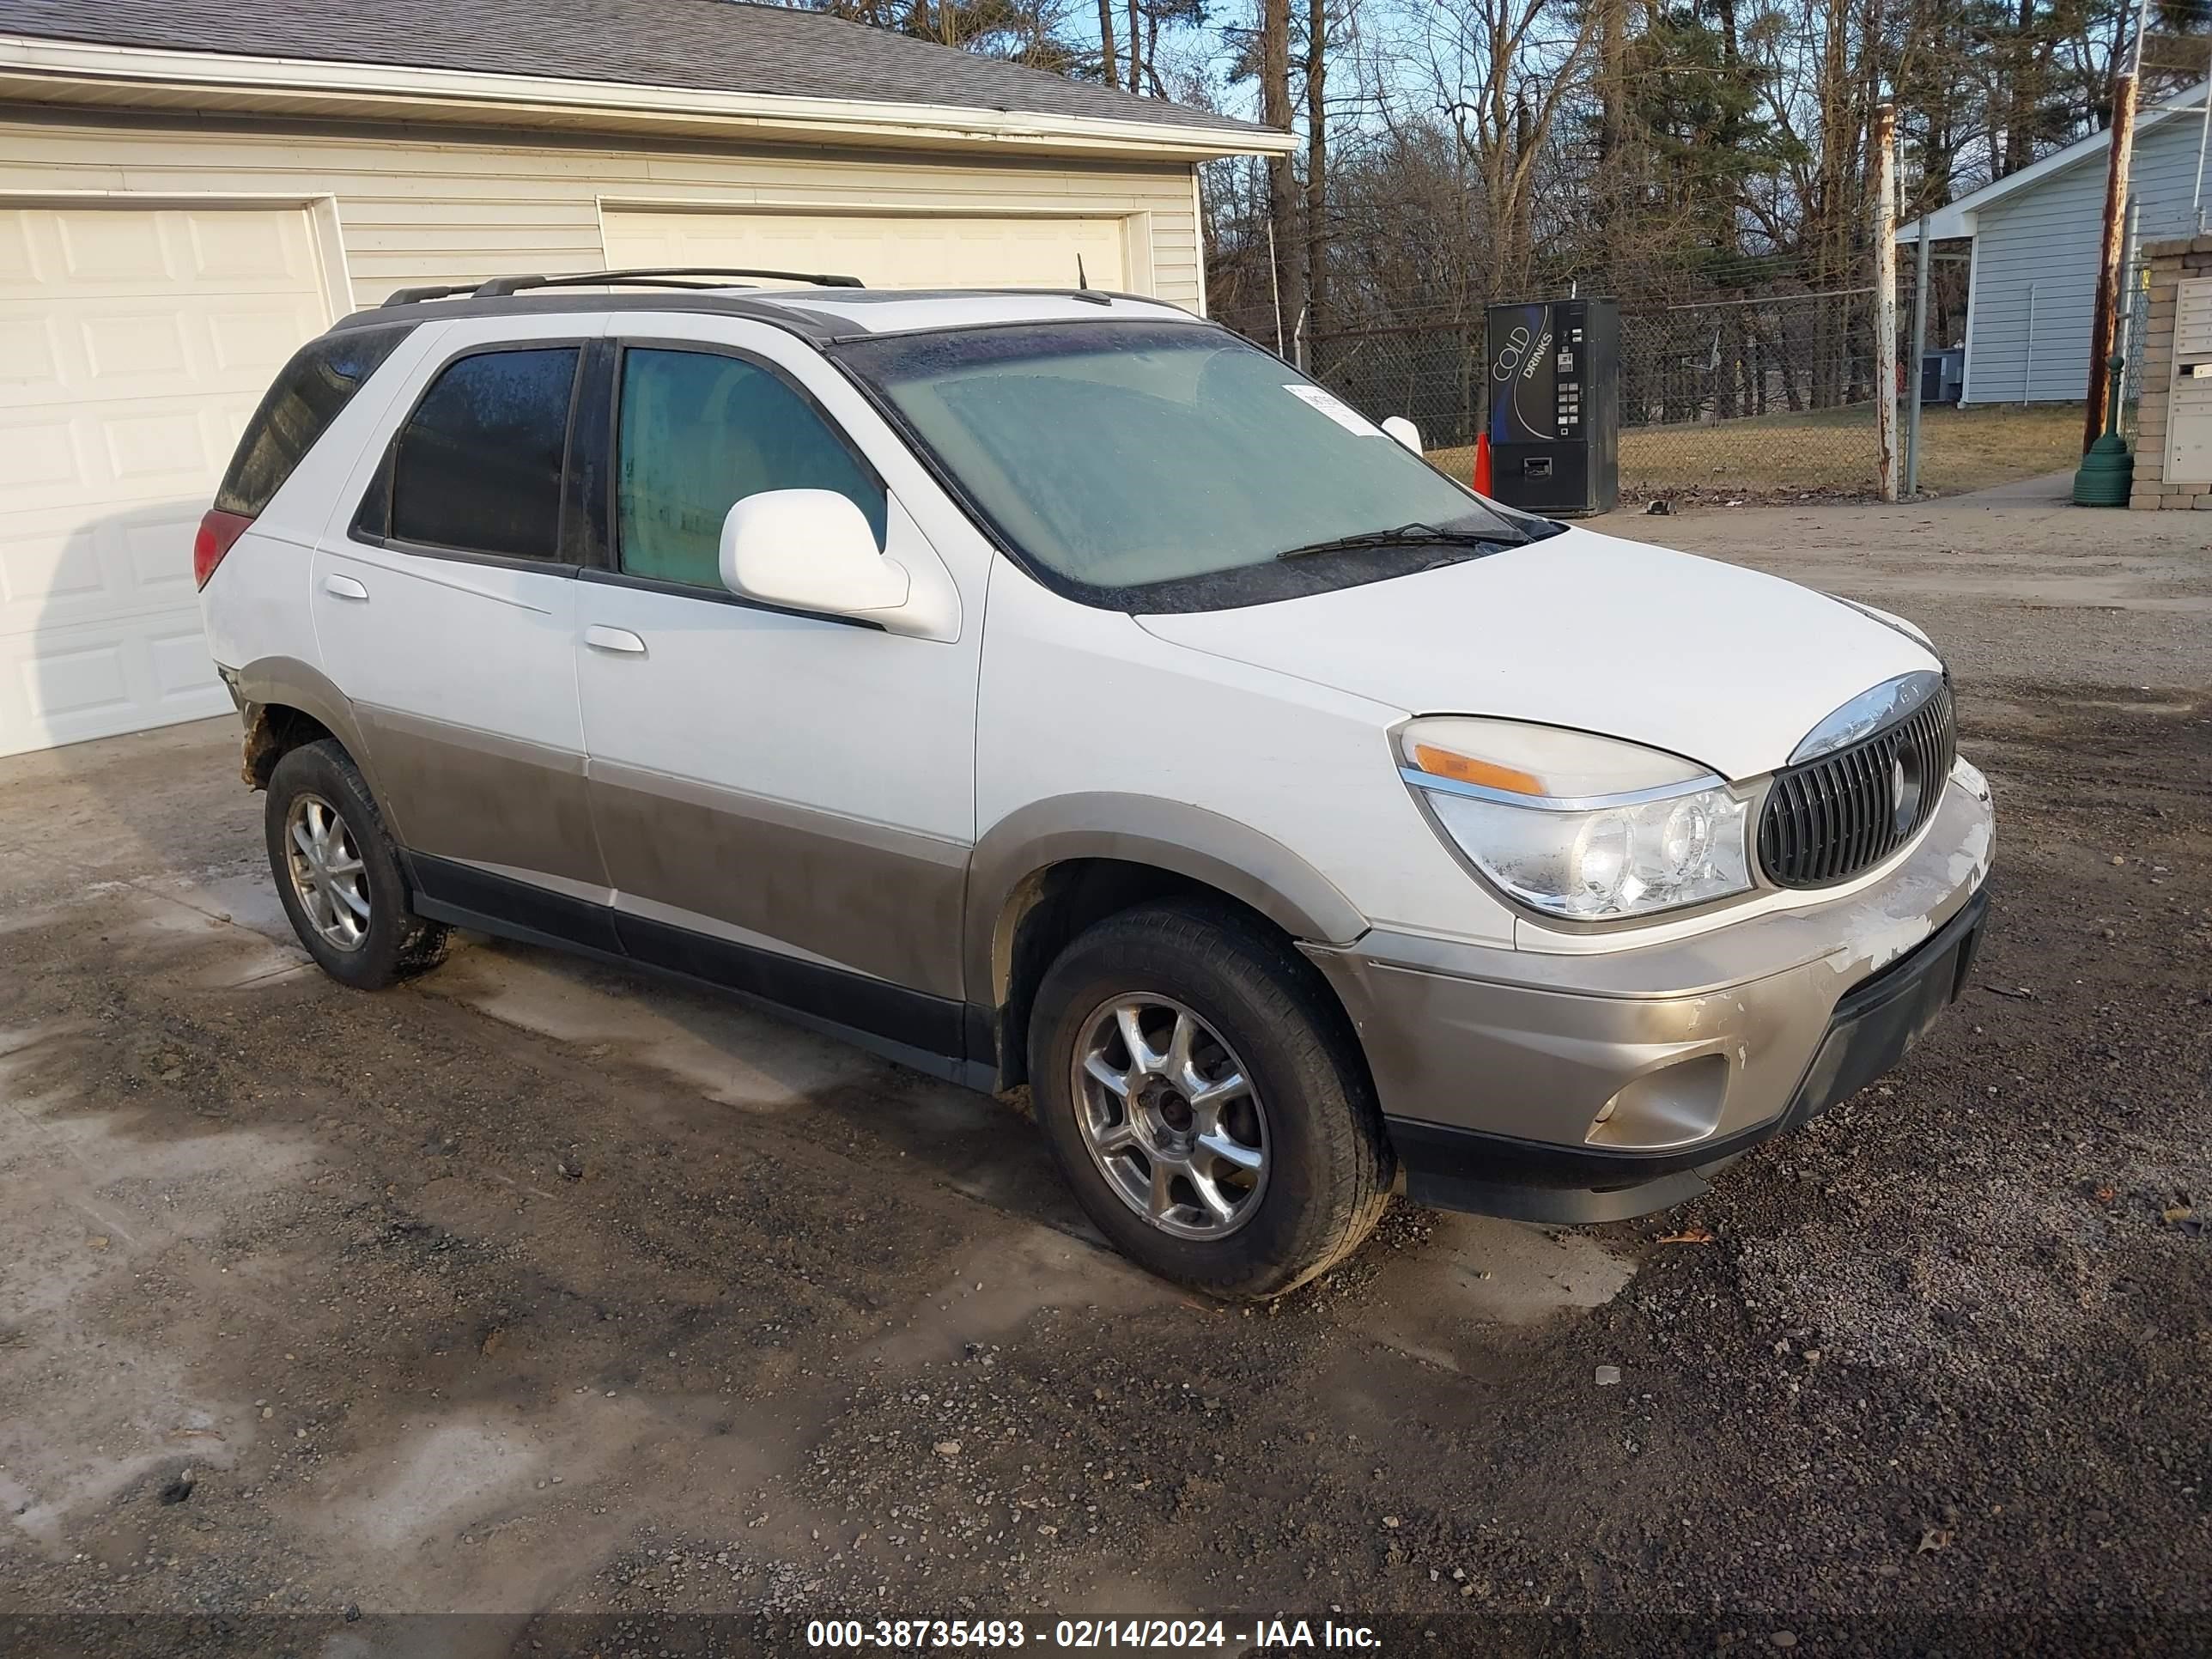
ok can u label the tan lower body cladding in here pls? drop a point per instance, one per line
(878, 901)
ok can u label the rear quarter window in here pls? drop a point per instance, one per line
(310, 391)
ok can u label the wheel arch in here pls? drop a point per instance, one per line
(286, 703)
(1045, 873)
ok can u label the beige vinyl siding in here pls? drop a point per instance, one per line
(933, 249)
(447, 206)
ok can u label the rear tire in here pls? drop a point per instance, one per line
(1142, 1031)
(339, 873)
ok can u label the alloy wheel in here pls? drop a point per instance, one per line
(328, 877)
(1169, 1115)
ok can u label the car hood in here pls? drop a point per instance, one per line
(1718, 663)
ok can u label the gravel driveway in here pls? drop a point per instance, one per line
(554, 1296)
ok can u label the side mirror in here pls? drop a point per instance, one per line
(808, 549)
(1404, 432)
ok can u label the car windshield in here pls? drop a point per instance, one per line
(1172, 466)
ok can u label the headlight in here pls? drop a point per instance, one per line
(1587, 827)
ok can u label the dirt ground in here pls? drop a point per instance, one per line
(558, 1298)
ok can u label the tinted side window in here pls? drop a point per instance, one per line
(477, 466)
(307, 395)
(698, 433)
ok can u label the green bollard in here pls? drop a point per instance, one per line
(2107, 470)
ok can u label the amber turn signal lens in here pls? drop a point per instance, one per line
(1464, 769)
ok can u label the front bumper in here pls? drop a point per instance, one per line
(1493, 1066)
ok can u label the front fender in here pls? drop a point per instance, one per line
(1174, 836)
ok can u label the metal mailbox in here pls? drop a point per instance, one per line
(2189, 406)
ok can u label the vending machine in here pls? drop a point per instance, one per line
(1553, 368)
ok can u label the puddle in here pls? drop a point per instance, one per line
(453, 1473)
(249, 900)
(432, 1636)
(1018, 1276)
(259, 947)
(487, 1512)
(723, 1050)
(76, 1449)
(1479, 1272)
(97, 1200)
(235, 927)
(63, 1229)
(228, 958)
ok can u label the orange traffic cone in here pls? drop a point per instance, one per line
(1482, 480)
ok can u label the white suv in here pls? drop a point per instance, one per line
(1054, 688)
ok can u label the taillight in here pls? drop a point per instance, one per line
(218, 531)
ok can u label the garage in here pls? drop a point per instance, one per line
(136, 343)
(189, 189)
(910, 250)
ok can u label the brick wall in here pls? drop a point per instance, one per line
(2170, 263)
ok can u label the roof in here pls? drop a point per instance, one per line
(850, 311)
(711, 47)
(1958, 219)
(822, 314)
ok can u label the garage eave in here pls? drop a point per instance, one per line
(34, 70)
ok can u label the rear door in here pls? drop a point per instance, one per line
(444, 596)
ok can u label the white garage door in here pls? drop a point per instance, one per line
(134, 342)
(888, 250)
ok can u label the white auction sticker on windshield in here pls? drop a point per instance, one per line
(1342, 413)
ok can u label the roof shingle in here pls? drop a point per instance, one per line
(714, 45)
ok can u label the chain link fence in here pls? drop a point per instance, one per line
(2135, 325)
(1769, 396)
(1761, 398)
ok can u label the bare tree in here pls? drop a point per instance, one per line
(1282, 184)
(1502, 72)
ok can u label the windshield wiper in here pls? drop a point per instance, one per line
(1407, 534)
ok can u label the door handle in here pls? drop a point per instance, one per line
(343, 587)
(620, 641)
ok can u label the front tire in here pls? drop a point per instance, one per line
(1203, 1099)
(338, 874)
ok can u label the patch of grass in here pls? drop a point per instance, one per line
(1830, 451)
(1963, 449)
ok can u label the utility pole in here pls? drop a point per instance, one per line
(2103, 325)
(1916, 368)
(1317, 317)
(1286, 248)
(1885, 295)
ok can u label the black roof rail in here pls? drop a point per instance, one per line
(408, 296)
(656, 277)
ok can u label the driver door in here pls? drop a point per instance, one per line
(786, 802)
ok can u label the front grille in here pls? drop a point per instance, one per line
(1831, 819)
